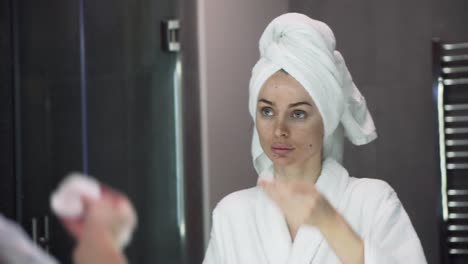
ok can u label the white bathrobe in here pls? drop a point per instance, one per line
(249, 228)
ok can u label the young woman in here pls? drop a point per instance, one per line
(306, 208)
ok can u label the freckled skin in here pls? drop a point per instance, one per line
(305, 135)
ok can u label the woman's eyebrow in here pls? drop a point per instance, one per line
(299, 103)
(265, 101)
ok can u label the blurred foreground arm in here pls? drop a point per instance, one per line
(101, 220)
(97, 234)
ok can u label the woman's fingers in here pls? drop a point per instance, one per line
(278, 191)
(300, 201)
(117, 198)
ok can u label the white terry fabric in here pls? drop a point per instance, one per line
(305, 48)
(66, 203)
(249, 228)
(17, 247)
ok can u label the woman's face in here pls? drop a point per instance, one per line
(288, 122)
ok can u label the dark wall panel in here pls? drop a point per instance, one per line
(7, 180)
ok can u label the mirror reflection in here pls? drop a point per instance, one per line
(213, 132)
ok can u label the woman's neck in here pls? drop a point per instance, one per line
(308, 171)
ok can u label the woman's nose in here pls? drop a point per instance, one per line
(281, 129)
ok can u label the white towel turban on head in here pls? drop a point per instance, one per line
(305, 49)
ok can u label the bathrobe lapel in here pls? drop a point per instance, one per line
(273, 230)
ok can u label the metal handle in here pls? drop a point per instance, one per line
(34, 229)
(44, 240)
(170, 35)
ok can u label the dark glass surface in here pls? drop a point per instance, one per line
(129, 114)
(49, 97)
(7, 182)
(131, 117)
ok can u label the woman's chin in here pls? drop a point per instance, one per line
(281, 161)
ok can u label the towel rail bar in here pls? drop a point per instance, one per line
(458, 251)
(448, 70)
(455, 81)
(457, 166)
(455, 107)
(458, 204)
(457, 192)
(457, 239)
(448, 46)
(454, 119)
(458, 216)
(452, 58)
(457, 142)
(457, 154)
(458, 227)
(457, 130)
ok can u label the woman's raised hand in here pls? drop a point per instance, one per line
(300, 202)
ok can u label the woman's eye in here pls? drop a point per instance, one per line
(299, 114)
(266, 111)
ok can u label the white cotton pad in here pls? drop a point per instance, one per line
(66, 200)
(66, 203)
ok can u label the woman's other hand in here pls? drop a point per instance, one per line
(300, 202)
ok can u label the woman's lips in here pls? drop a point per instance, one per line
(281, 149)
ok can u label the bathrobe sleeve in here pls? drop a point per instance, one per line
(17, 247)
(392, 238)
(214, 253)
